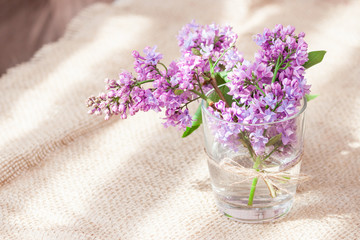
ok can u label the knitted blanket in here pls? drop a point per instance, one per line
(67, 175)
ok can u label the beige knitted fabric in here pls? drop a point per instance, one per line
(67, 175)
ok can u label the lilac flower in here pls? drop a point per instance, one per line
(287, 107)
(152, 57)
(260, 39)
(288, 131)
(211, 40)
(245, 79)
(226, 132)
(226, 113)
(258, 141)
(270, 100)
(145, 67)
(266, 90)
(277, 90)
(185, 120)
(261, 71)
(177, 117)
(232, 58)
(282, 43)
(206, 50)
(269, 116)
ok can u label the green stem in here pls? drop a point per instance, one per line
(258, 88)
(279, 63)
(158, 71)
(277, 66)
(142, 82)
(278, 103)
(164, 67)
(254, 182)
(198, 80)
(217, 61)
(211, 67)
(190, 102)
(248, 144)
(203, 96)
(275, 148)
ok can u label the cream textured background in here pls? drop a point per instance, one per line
(66, 175)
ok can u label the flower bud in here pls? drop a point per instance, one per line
(178, 92)
(121, 108)
(267, 88)
(111, 94)
(195, 51)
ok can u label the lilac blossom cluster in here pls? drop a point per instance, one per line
(267, 90)
(171, 88)
(127, 94)
(210, 42)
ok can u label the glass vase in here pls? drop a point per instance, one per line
(249, 185)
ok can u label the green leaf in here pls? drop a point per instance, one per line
(274, 140)
(310, 97)
(224, 90)
(224, 74)
(315, 57)
(219, 79)
(197, 120)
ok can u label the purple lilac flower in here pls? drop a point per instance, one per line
(261, 100)
(282, 43)
(188, 68)
(270, 100)
(269, 116)
(246, 79)
(127, 96)
(207, 41)
(224, 132)
(145, 67)
(267, 90)
(194, 35)
(258, 141)
(152, 57)
(288, 131)
(116, 100)
(287, 107)
(177, 117)
(232, 58)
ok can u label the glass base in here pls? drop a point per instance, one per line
(247, 214)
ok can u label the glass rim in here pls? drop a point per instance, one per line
(204, 108)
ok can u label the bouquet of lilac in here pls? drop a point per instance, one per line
(266, 90)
